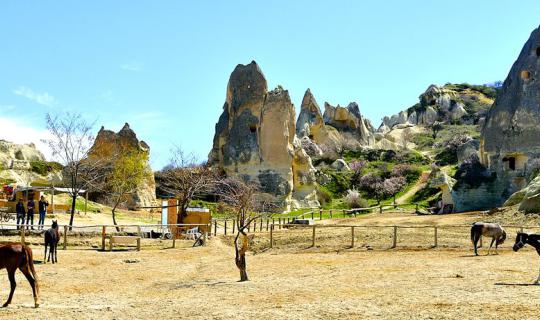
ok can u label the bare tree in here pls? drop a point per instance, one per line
(185, 179)
(70, 144)
(246, 206)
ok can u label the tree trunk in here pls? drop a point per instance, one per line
(114, 218)
(240, 258)
(73, 202)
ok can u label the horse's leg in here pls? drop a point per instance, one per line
(491, 245)
(475, 243)
(13, 283)
(32, 281)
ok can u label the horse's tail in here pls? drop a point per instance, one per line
(29, 261)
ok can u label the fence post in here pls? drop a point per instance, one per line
(279, 220)
(225, 226)
(312, 212)
(344, 213)
(380, 208)
(394, 241)
(103, 233)
(65, 237)
(330, 213)
(436, 240)
(267, 222)
(174, 240)
(352, 237)
(215, 227)
(234, 226)
(313, 237)
(416, 210)
(271, 236)
(261, 225)
(255, 225)
(206, 237)
(23, 235)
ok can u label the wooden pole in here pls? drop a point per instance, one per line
(65, 237)
(313, 237)
(312, 212)
(52, 200)
(174, 240)
(271, 236)
(261, 225)
(86, 203)
(380, 208)
(330, 213)
(23, 235)
(436, 240)
(344, 213)
(103, 232)
(215, 227)
(352, 237)
(254, 225)
(233, 226)
(279, 220)
(320, 214)
(267, 223)
(394, 242)
(225, 227)
(416, 210)
(139, 238)
(206, 237)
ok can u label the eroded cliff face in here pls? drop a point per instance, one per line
(255, 140)
(510, 138)
(125, 140)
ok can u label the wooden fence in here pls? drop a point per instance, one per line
(227, 226)
(395, 234)
(24, 230)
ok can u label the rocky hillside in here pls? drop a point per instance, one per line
(23, 164)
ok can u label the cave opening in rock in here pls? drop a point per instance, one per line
(538, 52)
(511, 163)
(253, 128)
(310, 137)
(525, 75)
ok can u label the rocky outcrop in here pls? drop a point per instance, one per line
(510, 137)
(16, 165)
(108, 143)
(18, 156)
(310, 125)
(451, 103)
(255, 140)
(349, 120)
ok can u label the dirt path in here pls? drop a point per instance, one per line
(421, 183)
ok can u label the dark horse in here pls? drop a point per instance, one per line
(15, 256)
(533, 239)
(493, 230)
(52, 236)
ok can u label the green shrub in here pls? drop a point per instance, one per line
(339, 183)
(424, 140)
(324, 196)
(45, 167)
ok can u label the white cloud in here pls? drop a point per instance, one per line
(6, 108)
(134, 66)
(43, 98)
(15, 131)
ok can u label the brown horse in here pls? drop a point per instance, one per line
(15, 256)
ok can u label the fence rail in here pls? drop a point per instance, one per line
(396, 236)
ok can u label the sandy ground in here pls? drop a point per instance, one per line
(201, 283)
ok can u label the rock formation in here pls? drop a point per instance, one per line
(16, 165)
(349, 121)
(310, 125)
(255, 140)
(125, 140)
(511, 134)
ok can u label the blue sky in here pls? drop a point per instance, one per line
(163, 66)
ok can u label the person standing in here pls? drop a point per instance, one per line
(42, 206)
(19, 208)
(30, 206)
